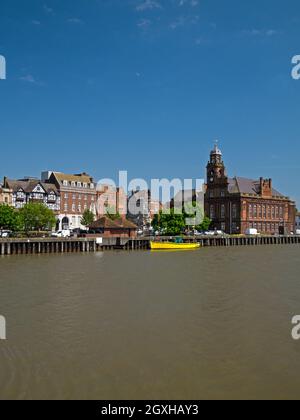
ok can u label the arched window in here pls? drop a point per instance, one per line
(212, 212)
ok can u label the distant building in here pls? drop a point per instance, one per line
(6, 195)
(142, 208)
(297, 222)
(77, 194)
(111, 200)
(237, 204)
(120, 228)
(30, 190)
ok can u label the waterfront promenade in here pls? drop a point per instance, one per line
(58, 246)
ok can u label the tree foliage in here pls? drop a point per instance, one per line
(9, 218)
(37, 217)
(87, 218)
(192, 215)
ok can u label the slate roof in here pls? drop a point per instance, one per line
(28, 185)
(247, 186)
(106, 223)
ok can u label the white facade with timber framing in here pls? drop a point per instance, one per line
(30, 190)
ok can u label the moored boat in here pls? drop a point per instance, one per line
(173, 246)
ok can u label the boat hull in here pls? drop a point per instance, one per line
(170, 245)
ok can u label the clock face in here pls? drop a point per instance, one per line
(211, 179)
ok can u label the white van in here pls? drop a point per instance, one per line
(62, 234)
(252, 232)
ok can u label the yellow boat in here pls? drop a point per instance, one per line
(173, 246)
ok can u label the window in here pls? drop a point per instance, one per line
(79, 184)
(65, 183)
(84, 185)
(92, 186)
(211, 194)
(212, 212)
(250, 211)
(273, 213)
(255, 211)
(234, 211)
(85, 198)
(223, 226)
(264, 212)
(223, 211)
(269, 212)
(66, 196)
(79, 196)
(73, 207)
(259, 212)
(79, 208)
(73, 184)
(222, 193)
(280, 212)
(74, 196)
(276, 212)
(66, 207)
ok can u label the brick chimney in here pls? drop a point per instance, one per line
(265, 187)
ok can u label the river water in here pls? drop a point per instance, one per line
(214, 323)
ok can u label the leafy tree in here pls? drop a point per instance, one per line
(37, 217)
(9, 218)
(205, 225)
(174, 224)
(87, 218)
(169, 224)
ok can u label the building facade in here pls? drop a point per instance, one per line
(111, 200)
(297, 223)
(6, 195)
(77, 194)
(142, 208)
(31, 190)
(237, 204)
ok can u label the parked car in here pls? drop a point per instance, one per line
(252, 232)
(5, 234)
(61, 234)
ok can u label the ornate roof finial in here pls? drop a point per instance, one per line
(216, 148)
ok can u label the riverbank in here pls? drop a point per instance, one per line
(67, 245)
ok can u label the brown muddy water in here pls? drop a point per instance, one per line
(214, 323)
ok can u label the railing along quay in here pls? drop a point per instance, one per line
(59, 246)
(46, 246)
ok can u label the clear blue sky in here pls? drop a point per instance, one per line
(144, 85)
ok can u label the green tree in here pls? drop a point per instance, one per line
(87, 218)
(9, 218)
(37, 217)
(169, 224)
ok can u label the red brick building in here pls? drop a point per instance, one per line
(118, 228)
(237, 204)
(77, 194)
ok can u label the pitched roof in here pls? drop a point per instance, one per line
(107, 223)
(29, 185)
(247, 186)
(76, 177)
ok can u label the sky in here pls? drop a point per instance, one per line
(147, 86)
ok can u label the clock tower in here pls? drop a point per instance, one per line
(216, 171)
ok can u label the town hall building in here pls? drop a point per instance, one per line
(237, 204)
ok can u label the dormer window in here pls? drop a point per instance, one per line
(84, 185)
(73, 184)
(79, 185)
(92, 186)
(65, 183)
